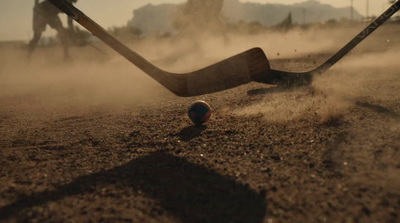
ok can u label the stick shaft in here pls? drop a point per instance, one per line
(359, 38)
(102, 34)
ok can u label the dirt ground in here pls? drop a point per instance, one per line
(96, 140)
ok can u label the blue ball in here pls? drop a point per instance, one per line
(199, 112)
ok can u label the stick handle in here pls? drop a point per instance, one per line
(102, 34)
(360, 37)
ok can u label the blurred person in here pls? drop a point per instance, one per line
(201, 16)
(45, 13)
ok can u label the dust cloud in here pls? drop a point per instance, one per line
(359, 76)
(90, 78)
(94, 77)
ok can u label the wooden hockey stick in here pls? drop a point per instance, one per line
(251, 65)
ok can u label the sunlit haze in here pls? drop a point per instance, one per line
(16, 15)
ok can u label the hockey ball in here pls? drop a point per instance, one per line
(199, 112)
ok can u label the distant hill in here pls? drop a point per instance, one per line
(272, 14)
(158, 18)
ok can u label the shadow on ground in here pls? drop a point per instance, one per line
(379, 109)
(188, 191)
(267, 90)
(191, 132)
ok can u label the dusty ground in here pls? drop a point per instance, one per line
(96, 140)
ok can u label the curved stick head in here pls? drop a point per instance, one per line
(251, 65)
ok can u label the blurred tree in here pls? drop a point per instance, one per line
(286, 24)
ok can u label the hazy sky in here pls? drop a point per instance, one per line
(16, 15)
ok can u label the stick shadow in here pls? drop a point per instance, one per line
(378, 109)
(267, 90)
(188, 191)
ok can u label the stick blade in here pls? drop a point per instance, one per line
(251, 65)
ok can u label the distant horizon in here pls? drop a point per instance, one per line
(17, 26)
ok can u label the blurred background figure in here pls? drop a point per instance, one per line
(45, 13)
(200, 16)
